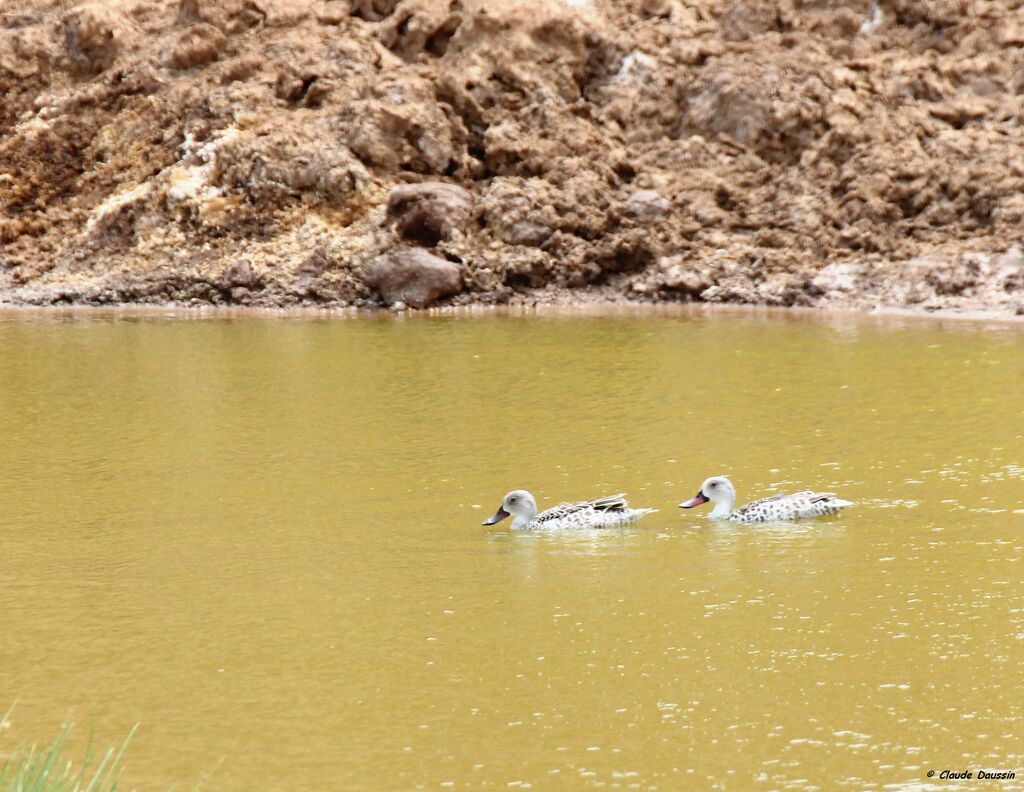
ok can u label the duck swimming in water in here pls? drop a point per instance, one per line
(607, 512)
(719, 490)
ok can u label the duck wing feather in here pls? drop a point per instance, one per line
(759, 501)
(609, 504)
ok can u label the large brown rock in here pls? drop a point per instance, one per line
(413, 276)
(429, 212)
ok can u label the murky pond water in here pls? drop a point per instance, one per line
(261, 540)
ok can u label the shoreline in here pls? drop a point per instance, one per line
(581, 309)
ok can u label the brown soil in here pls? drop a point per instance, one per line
(363, 152)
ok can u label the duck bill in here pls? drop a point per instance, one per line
(497, 517)
(696, 500)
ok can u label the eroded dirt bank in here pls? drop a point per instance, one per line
(305, 152)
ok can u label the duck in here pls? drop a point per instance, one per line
(609, 512)
(720, 491)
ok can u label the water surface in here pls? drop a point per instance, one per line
(261, 539)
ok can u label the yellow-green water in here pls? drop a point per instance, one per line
(261, 540)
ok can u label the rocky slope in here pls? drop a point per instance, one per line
(364, 152)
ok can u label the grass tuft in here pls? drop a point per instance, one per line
(43, 768)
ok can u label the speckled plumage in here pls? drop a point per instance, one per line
(608, 512)
(799, 505)
(789, 507)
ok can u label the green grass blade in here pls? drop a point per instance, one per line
(31, 768)
(112, 781)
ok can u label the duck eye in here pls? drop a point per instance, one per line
(511, 500)
(714, 484)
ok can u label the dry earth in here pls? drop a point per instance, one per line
(365, 152)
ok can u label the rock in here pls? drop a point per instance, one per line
(295, 83)
(526, 212)
(229, 16)
(333, 13)
(647, 205)
(745, 19)
(687, 277)
(283, 15)
(952, 278)
(197, 45)
(528, 233)
(427, 213)
(656, 8)
(270, 163)
(1009, 269)
(413, 276)
(1012, 35)
(399, 126)
(962, 110)
(421, 26)
(373, 10)
(94, 36)
(316, 263)
(526, 268)
(24, 52)
(630, 252)
(239, 274)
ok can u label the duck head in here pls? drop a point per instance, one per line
(718, 490)
(519, 504)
